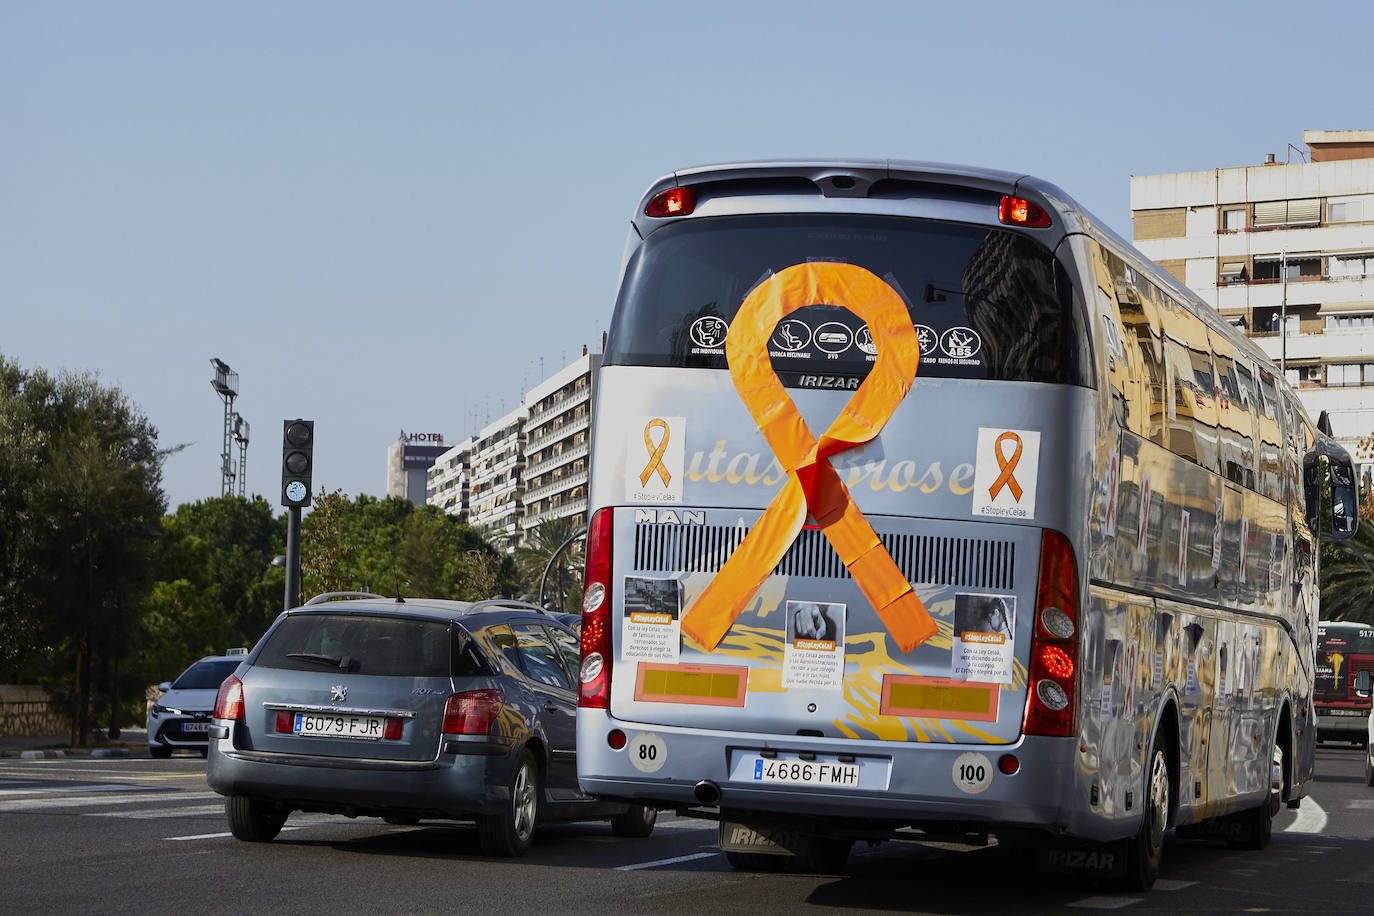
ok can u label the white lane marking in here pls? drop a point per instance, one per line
(147, 813)
(673, 861)
(1162, 884)
(32, 804)
(212, 836)
(85, 787)
(1359, 803)
(1105, 903)
(1310, 819)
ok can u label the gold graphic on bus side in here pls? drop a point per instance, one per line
(812, 484)
(655, 454)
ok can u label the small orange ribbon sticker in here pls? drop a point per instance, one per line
(655, 454)
(812, 486)
(1006, 466)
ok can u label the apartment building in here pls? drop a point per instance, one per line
(528, 467)
(1284, 250)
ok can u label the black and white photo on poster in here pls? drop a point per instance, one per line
(984, 638)
(651, 630)
(813, 651)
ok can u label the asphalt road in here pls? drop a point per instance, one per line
(120, 835)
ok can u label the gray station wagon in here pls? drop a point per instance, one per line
(408, 709)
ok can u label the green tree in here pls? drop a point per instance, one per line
(80, 488)
(392, 547)
(549, 539)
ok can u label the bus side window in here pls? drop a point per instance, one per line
(1249, 421)
(1271, 439)
(1182, 433)
(1234, 423)
(1137, 306)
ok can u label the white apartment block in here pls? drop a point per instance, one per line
(1286, 251)
(528, 467)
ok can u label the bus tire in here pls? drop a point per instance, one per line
(636, 822)
(821, 855)
(1146, 848)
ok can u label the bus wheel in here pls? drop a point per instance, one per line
(1257, 824)
(821, 855)
(1146, 848)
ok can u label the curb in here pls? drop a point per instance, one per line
(42, 755)
(110, 752)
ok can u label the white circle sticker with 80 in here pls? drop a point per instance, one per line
(648, 752)
(972, 772)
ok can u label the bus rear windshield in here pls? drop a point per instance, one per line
(987, 303)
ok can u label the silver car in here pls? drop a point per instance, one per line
(180, 718)
(407, 710)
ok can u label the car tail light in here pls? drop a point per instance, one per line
(229, 700)
(285, 723)
(672, 202)
(1017, 211)
(1054, 644)
(392, 730)
(594, 680)
(472, 712)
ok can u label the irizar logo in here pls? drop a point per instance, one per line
(1082, 859)
(841, 382)
(669, 517)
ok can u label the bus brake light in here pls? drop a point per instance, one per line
(672, 202)
(594, 679)
(1017, 211)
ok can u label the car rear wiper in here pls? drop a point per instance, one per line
(331, 661)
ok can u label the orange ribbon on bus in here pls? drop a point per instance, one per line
(812, 484)
(1006, 466)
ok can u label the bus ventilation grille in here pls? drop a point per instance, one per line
(968, 562)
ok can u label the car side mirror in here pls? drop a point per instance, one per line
(164, 687)
(1345, 510)
(1362, 684)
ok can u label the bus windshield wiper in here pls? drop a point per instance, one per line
(331, 661)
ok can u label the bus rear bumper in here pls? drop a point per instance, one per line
(900, 783)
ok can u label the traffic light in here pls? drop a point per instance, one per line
(298, 442)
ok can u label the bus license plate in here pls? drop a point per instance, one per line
(324, 726)
(806, 773)
(1345, 712)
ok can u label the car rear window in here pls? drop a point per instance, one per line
(205, 675)
(384, 646)
(987, 303)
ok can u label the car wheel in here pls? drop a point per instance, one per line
(1146, 848)
(510, 832)
(204, 753)
(253, 820)
(638, 821)
(161, 752)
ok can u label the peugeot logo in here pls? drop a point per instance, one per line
(338, 693)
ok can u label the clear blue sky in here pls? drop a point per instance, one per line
(391, 215)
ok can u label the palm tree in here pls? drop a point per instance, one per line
(549, 543)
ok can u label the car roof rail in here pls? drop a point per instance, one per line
(339, 596)
(507, 604)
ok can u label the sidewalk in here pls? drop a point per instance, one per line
(132, 742)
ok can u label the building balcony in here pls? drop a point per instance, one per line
(562, 405)
(571, 453)
(558, 432)
(563, 510)
(1326, 346)
(548, 489)
(1305, 291)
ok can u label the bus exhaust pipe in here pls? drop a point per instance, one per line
(707, 792)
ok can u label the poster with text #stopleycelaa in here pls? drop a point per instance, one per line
(813, 654)
(651, 630)
(984, 638)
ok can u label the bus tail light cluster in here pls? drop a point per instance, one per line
(1017, 211)
(594, 680)
(1052, 687)
(229, 700)
(472, 712)
(672, 202)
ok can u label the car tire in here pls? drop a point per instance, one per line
(1146, 849)
(637, 822)
(253, 820)
(510, 832)
(160, 752)
(204, 753)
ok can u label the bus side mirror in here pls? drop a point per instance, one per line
(1345, 509)
(1362, 684)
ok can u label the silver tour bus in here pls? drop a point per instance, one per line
(924, 505)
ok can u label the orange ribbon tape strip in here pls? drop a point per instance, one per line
(812, 484)
(655, 454)
(1004, 465)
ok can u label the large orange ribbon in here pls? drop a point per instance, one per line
(812, 484)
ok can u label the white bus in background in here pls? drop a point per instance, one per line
(922, 502)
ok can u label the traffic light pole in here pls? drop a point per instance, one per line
(293, 558)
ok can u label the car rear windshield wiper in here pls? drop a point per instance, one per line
(332, 661)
